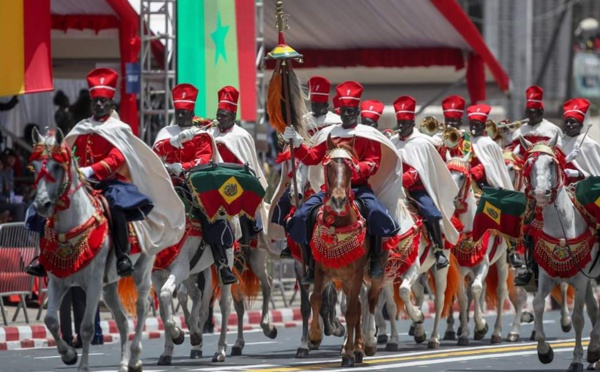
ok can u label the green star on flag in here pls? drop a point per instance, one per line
(218, 37)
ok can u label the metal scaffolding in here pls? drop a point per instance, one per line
(157, 79)
(261, 85)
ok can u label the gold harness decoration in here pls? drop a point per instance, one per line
(405, 253)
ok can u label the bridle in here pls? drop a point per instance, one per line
(62, 155)
(517, 164)
(338, 155)
(532, 155)
(463, 167)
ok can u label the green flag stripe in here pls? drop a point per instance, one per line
(191, 65)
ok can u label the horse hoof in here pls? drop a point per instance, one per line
(134, 369)
(70, 358)
(593, 356)
(420, 339)
(195, 339)
(432, 344)
(196, 354)
(527, 317)
(567, 328)
(273, 334)
(450, 336)
(180, 337)
(314, 345)
(236, 351)
(532, 337)
(496, 339)
(479, 335)
(382, 339)
(218, 358)
(347, 362)
(575, 367)
(370, 351)
(358, 357)
(392, 346)
(463, 341)
(548, 357)
(301, 353)
(512, 337)
(459, 330)
(411, 331)
(340, 332)
(164, 360)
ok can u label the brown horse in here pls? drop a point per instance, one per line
(341, 252)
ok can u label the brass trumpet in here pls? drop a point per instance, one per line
(496, 130)
(451, 137)
(430, 126)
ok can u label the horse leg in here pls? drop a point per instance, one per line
(591, 304)
(410, 277)
(518, 300)
(56, 292)
(258, 261)
(450, 334)
(593, 355)
(141, 277)
(565, 318)
(158, 281)
(545, 285)
(419, 331)
(86, 332)
(392, 310)
(225, 305)
(177, 275)
(238, 305)
(370, 346)
(316, 301)
(328, 292)
(463, 334)
(110, 296)
(502, 269)
(481, 326)
(380, 324)
(440, 290)
(352, 318)
(359, 342)
(578, 322)
(337, 328)
(201, 300)
(302, 351)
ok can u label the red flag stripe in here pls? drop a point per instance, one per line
(37, 51)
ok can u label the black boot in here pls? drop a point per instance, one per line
(118, 230)
(525, 278)
(35, 270)
(513, 258)
(375, 269)
(220, 258)
(435, 231)
(286, 253)
(309, 278)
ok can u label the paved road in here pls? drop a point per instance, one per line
(278, 355)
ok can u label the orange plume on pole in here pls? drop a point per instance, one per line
(274, 99)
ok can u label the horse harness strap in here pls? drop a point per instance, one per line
(197, 255)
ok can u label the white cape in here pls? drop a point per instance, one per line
(544, 129)
(490, 155)
(164, 226)
(386, 182)
(588, 161)
(418, 152)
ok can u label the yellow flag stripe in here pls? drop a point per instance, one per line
(12, 57)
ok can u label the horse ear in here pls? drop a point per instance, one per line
(524, 142)
(35, 136)
(553, 141)
(330, 144)
(59, 136)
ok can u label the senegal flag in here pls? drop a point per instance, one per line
(216, 47)
(587, 194)
(500, 210)
(25, 62)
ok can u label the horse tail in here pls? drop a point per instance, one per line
(491, 287)
(128, 295)
(216, 288)
(247, 286)
(338, 284)
(452, 286)
(513, 295)
(557, 295)
(397, 299)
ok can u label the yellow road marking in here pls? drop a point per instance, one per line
(498, 350)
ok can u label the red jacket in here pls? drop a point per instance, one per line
(93, 150)
(368, 152)
(194, 152)
(477, 169)
(411, 180)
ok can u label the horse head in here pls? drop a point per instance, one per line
(460, 170)
(339, 162)
(543, 170)
(51, 163)
(514, 165)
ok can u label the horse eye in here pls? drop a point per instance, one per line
(56, 167)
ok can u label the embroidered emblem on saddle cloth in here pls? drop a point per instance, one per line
(165, 258)
(469, 253)
(65, 254)
(337, 247)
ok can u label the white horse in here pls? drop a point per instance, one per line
(561, 222)
(60, 181)
(410, 283)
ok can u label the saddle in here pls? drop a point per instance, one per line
(312, 214)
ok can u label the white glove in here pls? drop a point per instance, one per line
(87, 172)
(572, 173)
(290, 134)
(187, 135)
(174, 168)
(573, 154)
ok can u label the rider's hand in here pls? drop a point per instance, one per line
(87, 172)
(290, 134)
(572, 173)
(187, 135)
(573, 154)
(174, 168)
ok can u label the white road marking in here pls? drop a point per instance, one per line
(261, 343)
(236, 368)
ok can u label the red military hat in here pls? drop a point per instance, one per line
(184, 96)
(534, 95)
(454, 107)
(576, 108)
(319, 88)
(228, 98)
(349, 92)
(479, 112)
(405, 108)
(336, 103)
(371, 109)
(102, 82)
